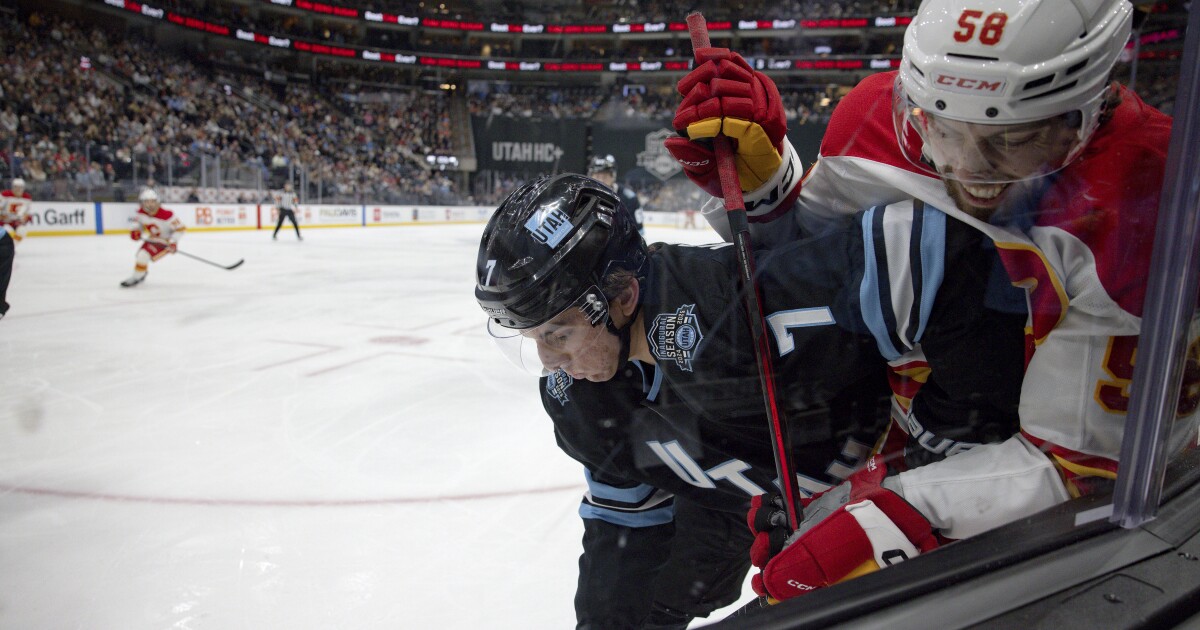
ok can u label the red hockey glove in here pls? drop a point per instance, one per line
(724, 95)
(28, 219)
(850, 530)
(135, 235)
(172, 248)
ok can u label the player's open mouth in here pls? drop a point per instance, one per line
(983, 195)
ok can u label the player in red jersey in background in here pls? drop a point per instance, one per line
(14, 216)
(162, 232)
(15, 206)
(1004, 117)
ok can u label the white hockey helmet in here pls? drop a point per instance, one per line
(17, 182)
(148, 195)
(1015, 62)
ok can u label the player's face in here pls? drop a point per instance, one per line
(150, 205)
(980, 163)
(570, 343)
(605, 177)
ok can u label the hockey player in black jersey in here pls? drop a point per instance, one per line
(651, 381)
(603, 168)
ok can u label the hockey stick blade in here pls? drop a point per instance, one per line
(215, 264)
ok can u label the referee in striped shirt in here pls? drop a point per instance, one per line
(285, 203)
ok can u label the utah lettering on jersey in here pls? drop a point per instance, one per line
(688, 469)
(675, 336)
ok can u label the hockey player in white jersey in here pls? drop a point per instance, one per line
(15, 210)
(158, 229)
(1007, 120)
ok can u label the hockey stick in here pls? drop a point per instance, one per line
(735, 211)
(205, 260)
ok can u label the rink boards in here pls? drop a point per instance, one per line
(80, 218)
(54, 218)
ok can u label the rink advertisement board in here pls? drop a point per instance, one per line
(83, 217)
(327, 215)
(117, 217)
(399, 215)
(214, 216)
(49, 218)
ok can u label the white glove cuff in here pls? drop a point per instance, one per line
(779, 189)
(888, 543)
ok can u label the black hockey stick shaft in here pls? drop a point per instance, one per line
(735, 211)
(215, 264)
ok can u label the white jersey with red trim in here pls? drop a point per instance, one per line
(162, 227)
(14, 208)
(1080, 245)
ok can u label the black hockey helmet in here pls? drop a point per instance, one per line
(602, 163)
(549, 246)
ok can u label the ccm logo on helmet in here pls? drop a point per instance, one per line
(968, 85)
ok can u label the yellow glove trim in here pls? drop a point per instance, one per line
(870, 566)
(704, 129)
(757, 160)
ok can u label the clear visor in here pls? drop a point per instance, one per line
(975, 153)
(561, 342)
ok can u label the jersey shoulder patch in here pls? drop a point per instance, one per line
(557, 385)
(676, 336)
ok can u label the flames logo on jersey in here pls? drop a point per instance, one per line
(557, 384)
(676, 336)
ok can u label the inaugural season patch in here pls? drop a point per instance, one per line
(675, 336)
(557, 385)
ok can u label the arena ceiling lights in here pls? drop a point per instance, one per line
(848, 62)
(588, 29)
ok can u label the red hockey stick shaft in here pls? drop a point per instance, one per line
(735, 211)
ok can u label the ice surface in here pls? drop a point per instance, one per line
(322, 438)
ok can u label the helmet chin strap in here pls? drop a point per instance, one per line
(623, 333)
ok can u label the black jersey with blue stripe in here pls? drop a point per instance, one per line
(691, 428)
(694, 424)
(837, 307)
